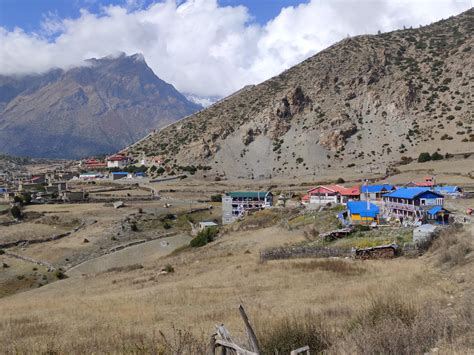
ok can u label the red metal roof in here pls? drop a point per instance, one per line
(344, 191)
(117, 157)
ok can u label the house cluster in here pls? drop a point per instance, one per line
(412, 203)
(40, 188)
(111, 167)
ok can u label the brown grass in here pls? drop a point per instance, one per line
(329, 303)
(338, 266)
(453, 247)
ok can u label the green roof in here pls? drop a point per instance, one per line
(248, 194)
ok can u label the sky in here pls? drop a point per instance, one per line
(202, 47)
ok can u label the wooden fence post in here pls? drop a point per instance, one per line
(250, 332)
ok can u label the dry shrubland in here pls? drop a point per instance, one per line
(399, 306)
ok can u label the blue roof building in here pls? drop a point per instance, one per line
(360, 211)
(374, 192)
(448, 190)
(411, 202)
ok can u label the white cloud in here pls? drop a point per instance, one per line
(206, 49)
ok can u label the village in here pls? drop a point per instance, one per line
(119, 180)
(68, 222)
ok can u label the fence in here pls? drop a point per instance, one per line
(293, 252)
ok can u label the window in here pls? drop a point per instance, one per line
(423, 202)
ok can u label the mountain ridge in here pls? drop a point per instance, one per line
(365, 102)
(97, 108)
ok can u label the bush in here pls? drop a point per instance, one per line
(167, 225)
(168, 268)
(436, 156)
(216, 198)
(284, 335)
(340, 181)
(60, 275)
(16, 212)
(25, 198)
(205, 236)
(391, 325)
(424, 157)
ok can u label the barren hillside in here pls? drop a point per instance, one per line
(363, 103)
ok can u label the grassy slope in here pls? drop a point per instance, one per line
(123, 311)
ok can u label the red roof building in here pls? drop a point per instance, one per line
(331, 194)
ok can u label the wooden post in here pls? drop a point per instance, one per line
(212, 344)
(250, 332)
(304, 349)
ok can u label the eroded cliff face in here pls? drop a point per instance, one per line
(367, 100)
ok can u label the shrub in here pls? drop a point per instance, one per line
(340, 181)
(16, 212)
(436, 156)
(205, 236)
(424, 157)
(167, 225)
(452, 247)
(168, 268)
(60, 275)
(286, 334)
(216, 198)
(391, 325)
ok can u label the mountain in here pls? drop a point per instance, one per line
(97, 108)
(204, 101)
(363, 103)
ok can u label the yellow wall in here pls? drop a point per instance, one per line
(357, 217)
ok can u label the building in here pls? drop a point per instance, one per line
(331, 194)
(207, 224)
(92, 164)
(411, 202)
(375, 192)
(55, 187)
(451, 191)
(438, 215)
(236, 204)
(90, 176)
(362, 212)
(118, 161)
(151, 161)
(119, 175)
(72, 196)
(428, 181)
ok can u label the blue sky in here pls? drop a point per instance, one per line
(202, 47)
(28, 14)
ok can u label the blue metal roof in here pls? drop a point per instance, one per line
(411, 192)
(376, 188)
(120, 173)
(360, 208)
(435, 210)
(446, 189)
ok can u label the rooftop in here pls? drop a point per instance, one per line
(360, 208)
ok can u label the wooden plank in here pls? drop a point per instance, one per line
(304, 349)
(250, 332)
(234, 347)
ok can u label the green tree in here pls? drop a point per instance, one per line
(436, 156)
(205, 236)
(423, 157)
(16, 212)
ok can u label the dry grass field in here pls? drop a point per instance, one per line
(123, 303)
(125, 310)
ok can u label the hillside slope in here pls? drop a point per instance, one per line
(365, 103)
(98, 108)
